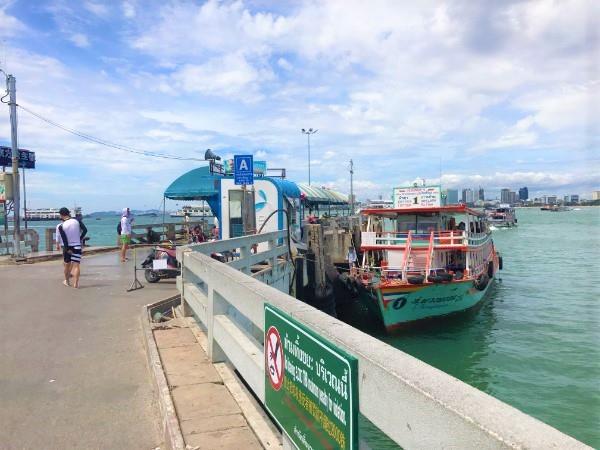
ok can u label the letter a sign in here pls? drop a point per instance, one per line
(243, 169)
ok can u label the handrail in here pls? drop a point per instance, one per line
(406, 255)
(429, 254)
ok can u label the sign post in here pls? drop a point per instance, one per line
(310, 385)
(417, 197)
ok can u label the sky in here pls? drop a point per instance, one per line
(494, 94)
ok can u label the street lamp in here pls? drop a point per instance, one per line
(308, 133)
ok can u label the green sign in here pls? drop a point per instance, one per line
(310, 385)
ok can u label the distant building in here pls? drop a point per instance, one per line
(451, 196)
(505, 195)
(480, 194)
(549, 199)
(574, 198)
(514, 198)
(595, 195)
(565, 199)
(523, 194)
(467, 195)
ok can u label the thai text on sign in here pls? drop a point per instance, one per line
(310, 385)
(417, 197)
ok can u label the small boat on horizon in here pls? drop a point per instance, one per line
(421, 260)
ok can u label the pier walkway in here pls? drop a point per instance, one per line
(73, 371)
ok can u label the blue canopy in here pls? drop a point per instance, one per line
(287, 188)
(197, 184)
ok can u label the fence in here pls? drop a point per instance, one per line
(414, 404)
(30, 241)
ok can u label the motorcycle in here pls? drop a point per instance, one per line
(166, 252)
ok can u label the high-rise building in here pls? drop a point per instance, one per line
(514, 198)
(574, 198)
(565, 199)
(467, 195)
(523, 194)
(451, 196)
(505, 195)
(550, 199)
(480, 194)
(595, 195)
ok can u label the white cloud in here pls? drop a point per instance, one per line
(9, 25)
(229, 76)
(128, 9)
(98, 9)
(80, 40)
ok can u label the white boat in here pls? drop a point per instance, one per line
(193, 211)
(48, 213)
(503, 216)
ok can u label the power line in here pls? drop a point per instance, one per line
(106, 143)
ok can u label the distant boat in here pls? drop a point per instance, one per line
(193, 211)
(504, 216)
(32, 215)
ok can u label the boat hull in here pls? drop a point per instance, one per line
(402, 305)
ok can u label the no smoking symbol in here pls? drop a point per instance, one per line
(274, 359)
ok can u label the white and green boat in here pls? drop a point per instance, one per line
(422, 260)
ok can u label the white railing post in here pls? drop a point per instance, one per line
(216, 306)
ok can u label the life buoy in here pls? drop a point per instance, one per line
(481, 282)
(416, 279)
(490, 271)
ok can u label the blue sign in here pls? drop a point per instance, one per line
(26, 158)
(243, 169)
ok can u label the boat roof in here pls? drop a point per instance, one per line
(451, 209)
(321, 195)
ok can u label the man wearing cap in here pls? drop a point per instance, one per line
(68, 236)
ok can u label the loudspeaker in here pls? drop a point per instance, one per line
(209, 155)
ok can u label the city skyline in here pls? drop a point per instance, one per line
(514, 105)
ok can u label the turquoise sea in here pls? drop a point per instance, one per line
(534, 343)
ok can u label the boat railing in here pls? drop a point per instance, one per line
(478, 238)
(453, 238)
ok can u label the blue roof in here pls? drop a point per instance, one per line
(197, 184)
(287, 188)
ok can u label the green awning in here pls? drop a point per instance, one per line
(321, 195)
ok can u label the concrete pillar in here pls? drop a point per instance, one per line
(49, 239)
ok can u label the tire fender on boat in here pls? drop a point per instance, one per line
(490, 271)
(481, 282)
(500, 263)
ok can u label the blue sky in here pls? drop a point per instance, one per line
(498, 94)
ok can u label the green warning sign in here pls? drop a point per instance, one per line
(310, 385)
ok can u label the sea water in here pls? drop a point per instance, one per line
(535, 342)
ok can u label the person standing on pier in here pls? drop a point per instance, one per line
(126, 221)
(68, 236)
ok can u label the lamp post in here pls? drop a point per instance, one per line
(308, 133)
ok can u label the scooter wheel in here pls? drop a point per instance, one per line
(151, 276)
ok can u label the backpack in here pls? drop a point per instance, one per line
(119, 228)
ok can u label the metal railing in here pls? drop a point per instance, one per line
(414, 404)
(450, 238)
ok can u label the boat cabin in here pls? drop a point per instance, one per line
(424, 239)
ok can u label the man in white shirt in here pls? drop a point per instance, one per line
(125, 237)
(68, 236)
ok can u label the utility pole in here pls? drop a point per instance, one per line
(12, 106)
(351, 187)
(308, 133)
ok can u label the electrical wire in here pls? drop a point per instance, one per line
(106, 143)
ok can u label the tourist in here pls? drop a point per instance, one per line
(214, 234)
(68, 236)
(126, 221)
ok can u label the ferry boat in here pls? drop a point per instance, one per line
(48, 213)
(421, 260)
(504, 216)
(193, 211)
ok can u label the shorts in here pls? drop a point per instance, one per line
(72, 254)
(125, 239)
